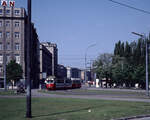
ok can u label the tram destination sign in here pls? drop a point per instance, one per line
(10, 3)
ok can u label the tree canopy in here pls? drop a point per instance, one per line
(126, 65)
(13, 71)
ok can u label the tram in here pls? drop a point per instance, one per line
(76, 82)
(53, 83)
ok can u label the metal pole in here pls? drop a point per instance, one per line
(4, 53)
(144, 38)
(86, 60)
(28, 96)
(85, 69)
(147, 84)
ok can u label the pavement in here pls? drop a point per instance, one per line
(146, 118)
(35, 93)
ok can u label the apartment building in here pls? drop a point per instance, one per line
(13, 32)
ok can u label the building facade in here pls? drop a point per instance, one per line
(54, 51)
(73, 73)
(13, 32)
(34, 57)
(12, 25)
(61, 71)
(45, 63)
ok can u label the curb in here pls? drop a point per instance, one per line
(134, 117)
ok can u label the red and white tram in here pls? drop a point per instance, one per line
(53, 83)
(76, 82)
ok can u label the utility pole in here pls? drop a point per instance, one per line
(146, 62)
(147, 83)
(92, 45)
(28, 96)
(4, 53)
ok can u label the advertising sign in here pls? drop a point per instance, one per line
(9, 3)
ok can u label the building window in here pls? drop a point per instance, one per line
(1, 11)
(1, 24)
(1, 69)
(1, 59)
(8, 46)
(7, 12)
(17, 34)
(7, 23)
(8, 58)
(1, 46)
(7, 34)
(17, 57)
(17, 24)
(0, 34)
(17, 12)
(17, 46)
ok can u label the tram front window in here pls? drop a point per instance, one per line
(50, 81)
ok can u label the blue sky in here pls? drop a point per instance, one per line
(76, 24)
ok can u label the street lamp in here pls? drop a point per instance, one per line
(144, 38)
(28, 96)
(92, 45)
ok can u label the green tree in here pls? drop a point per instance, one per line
(13, 72)
(103, 67)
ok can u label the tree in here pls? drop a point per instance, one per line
(103, 66)
(13, 72)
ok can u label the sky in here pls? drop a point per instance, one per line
(74, 25)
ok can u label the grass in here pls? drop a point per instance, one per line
(70, 109)
(8, 92)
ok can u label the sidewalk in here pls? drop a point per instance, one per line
(112, 89)
(146, 118)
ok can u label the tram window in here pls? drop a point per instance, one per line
(49, 81)
(60, 81)
(68, 81)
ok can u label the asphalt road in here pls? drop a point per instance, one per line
(120, 97)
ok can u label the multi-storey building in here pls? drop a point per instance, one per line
(13, 39)
(45, 63)
(34, 57)
(62, 71)
(73, 73)
(54, 51)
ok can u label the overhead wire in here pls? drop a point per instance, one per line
(131, 7)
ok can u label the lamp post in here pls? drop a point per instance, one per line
(144, 38)
(92, 45)
(28, 96)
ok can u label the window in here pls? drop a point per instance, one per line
(7, 23)
(1, 59)
(7, 12)
(8, 58)
(1, 46)
(8, 46)
(17, 59)
(0, 34)
(1, 24)
(17, 12)
(17, 34)
(16, 23)
(17, 46)
(1, 69)
(1, 11)
(7, 34)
